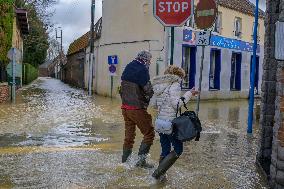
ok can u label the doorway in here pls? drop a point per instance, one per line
(215, 69)
(189, 66)
(236, 63)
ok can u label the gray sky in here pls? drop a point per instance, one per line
(74, 18)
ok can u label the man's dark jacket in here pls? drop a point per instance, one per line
(136, 89)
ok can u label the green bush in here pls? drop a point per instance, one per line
(6, 28)
(30, 73)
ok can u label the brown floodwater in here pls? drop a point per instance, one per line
(56, 136)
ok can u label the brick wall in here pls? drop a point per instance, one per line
(271, 154)
(74, 70)
(4, 92)
(268, 88)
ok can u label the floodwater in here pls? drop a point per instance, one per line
(56, 136)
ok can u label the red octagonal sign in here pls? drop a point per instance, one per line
(173, 12)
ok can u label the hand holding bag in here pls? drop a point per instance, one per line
(187, 126)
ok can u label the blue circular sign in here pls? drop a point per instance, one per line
(112, 69)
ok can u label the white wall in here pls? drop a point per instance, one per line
(125, 36)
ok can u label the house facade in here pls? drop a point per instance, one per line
(227, 65)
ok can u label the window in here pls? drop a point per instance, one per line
(258, 37)
(189, 66)
(238, 27)
(190, 22)
(215, 69)
(218, 23)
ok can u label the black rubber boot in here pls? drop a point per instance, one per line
(142, 154)
(126, 154)
(166, 163)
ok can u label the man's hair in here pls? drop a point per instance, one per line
(145, 56)
(174, 70)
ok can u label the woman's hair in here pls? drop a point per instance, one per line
(174, 70)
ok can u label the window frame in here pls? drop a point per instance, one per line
(238, 34)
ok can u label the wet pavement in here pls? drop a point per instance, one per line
(56, 136)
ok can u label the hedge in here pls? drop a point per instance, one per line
(30, 73)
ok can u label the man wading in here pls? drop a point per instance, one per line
(136, 92)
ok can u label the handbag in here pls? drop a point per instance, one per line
(187, 126)
(163, 126)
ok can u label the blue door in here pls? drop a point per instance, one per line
(215, 69)
(189, 66)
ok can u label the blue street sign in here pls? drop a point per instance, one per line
(112, 59)
(112, 69)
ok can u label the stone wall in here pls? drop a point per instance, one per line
(268, 87)
(74, 69)
(4, 92)
(277, 166)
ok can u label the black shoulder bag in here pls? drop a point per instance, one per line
(187, 126)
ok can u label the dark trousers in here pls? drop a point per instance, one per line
(167, 141)
(143, 121)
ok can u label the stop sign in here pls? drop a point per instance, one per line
(173, 12)
(205, 14)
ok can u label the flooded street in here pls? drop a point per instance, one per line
(56, 136)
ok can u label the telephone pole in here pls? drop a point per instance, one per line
(60, 53)
(91, 58)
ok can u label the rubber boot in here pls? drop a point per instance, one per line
(167, 162)
(142, 154)
(126, 154)
(162, 178)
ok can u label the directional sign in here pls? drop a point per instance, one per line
(173, 12)
(18, 72)
(205, 14)
(112, 59)
(203, 38)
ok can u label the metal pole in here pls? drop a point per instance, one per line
(111, 86)
(92, 32)
(200, 80)
(14, 77)
(172, 45)
(252, 75)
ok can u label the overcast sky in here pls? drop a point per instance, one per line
(74, 18)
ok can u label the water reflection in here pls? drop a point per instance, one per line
(58, 137)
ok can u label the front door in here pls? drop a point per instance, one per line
(236, 62)
(215, 70)
(189, 66)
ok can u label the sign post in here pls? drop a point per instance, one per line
(252, 74)
(14, 56)
(205, 16)
(172, 13)
(112, 61)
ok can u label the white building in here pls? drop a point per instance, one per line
(128, 26)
